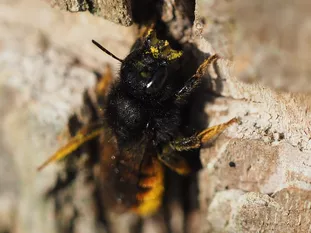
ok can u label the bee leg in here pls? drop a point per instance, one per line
(85, 134)
(170, 157)
(197, 140)
(174, 161)
(194, 81)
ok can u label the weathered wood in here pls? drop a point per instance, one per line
(263, 79)
(117, 11)
(256, 176)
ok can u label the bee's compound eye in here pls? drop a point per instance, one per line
(157, 80)
(145, 74)
(163, 63)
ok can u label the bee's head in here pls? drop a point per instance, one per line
(145, 70)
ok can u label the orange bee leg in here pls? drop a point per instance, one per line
(197, 140)
(195, 80)
(85, 134)
(174, 161)
(202, 68)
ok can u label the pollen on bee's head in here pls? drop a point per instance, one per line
(160, 49)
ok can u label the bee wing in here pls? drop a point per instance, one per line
(120, 171)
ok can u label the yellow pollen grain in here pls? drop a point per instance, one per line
(174, 55)
(154, 51)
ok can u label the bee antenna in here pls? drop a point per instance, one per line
(106, 51)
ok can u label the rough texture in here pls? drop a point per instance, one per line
(117, 11)
(33, 80)
(234, 211)
(269, 40)
(42, 80)
(261, 168)
(269, 152)
(256, 176)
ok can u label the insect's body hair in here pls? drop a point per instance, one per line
(144, 122)
(141, 125)
(131, 119)
(134, 113)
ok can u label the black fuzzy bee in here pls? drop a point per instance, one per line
(140, 125)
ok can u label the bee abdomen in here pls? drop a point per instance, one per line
(151, 186)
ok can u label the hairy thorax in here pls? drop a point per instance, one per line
(132, 119)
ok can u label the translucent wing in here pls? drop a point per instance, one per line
(120, 173)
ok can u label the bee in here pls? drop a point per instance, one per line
(139, 125)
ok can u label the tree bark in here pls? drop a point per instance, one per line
(256, 176)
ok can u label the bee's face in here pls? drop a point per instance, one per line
(145, 69)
